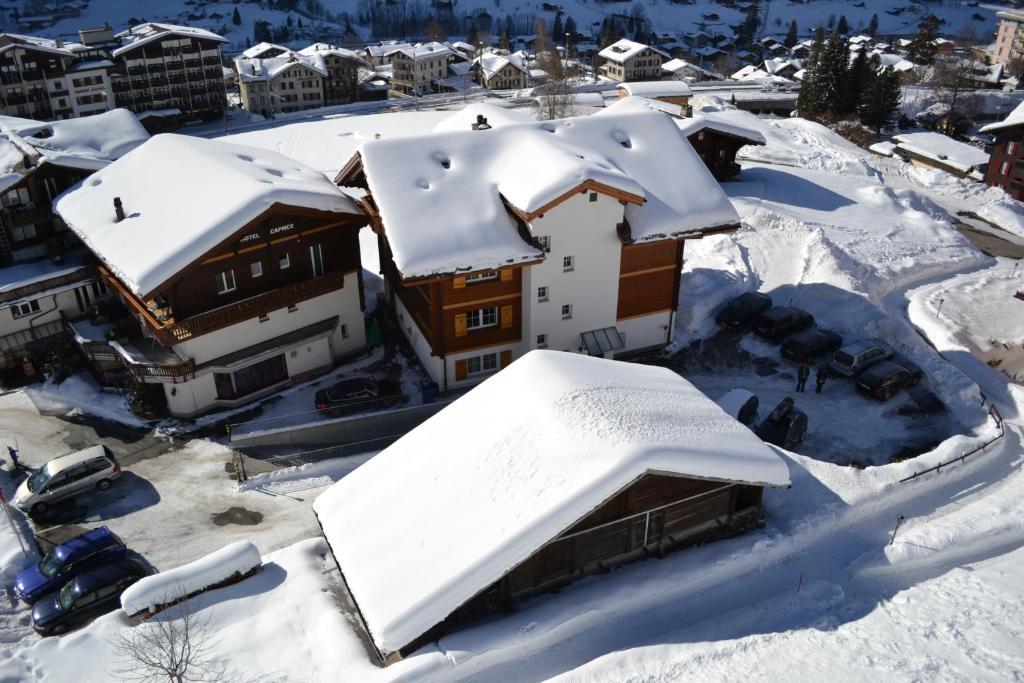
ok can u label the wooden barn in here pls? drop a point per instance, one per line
(717, 142)
(556, 468)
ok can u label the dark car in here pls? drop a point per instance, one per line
(350, 395)
(808, 344)
(85, 597)
(785, 426)
(66, 561)
(884, 379)
(739, 313)
(782, 321)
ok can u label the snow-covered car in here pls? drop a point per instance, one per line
(781, 321)
(85, 597)
(808, 344)
(66, 476)
(884, 379)
(856, 357)
(785, 426)
(740, 404)
(739, 312)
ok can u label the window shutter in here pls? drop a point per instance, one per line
(460, 325)
(506, 317)
(506, 357)
(461, 370)
(506, 275)
(459, 282)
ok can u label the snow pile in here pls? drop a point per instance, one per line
(226, 186)
(496, 116)
(992, 204)
(79, 393)
(570, 432)
(656, 89)
(15, 553)
(233, 561)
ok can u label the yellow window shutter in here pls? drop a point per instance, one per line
(506, 317)
(506, 357)
(461, 369)
(459, 282)
(506, 275)
(460, 325)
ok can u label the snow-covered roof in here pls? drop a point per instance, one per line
(259, 49)
(327, 49)
(943, 149)
(656, 88)
(709, 121)
(623, 49)
(386, 48)
(885, 148)
(11, 40)
(445, 198)
(258, 69)
(426, 50)
(143, 34)
(776, 64)
(463, 119)
(674, 66)
(491, 63)
(540, 445)
(194, 194)
(1013, 119)
(89, 142)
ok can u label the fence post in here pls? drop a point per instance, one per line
(899, 520)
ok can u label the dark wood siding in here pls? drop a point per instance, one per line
(717, 151)
(648, 277)
(1008, 148)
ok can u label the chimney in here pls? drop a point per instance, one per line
(481, 123)
(118, 209)
(58, 43)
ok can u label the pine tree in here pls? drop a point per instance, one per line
(808, 102)
(922, 46)
(819, 34)
(843, 27)
(857, 79)
(557, 29)
(791, 37)
(873, 26)
(504, 42)
(236, 18)
(881, 100)
(570, 26)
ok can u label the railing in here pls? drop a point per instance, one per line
(13, 217)
(24, 291)
(105, 351)
(993, 412)
(341, 451)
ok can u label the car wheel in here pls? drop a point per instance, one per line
(59, 630)
(39, 509)
(103, 485)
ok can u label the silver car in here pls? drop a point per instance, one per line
(66, 476)
(855, 357)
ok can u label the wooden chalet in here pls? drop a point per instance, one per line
(1006, 158)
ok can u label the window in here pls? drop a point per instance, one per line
(480, 364)
(593, 196)
(566, 311)
(316, 259)
(27, 308)
(16, 197)
(1011, 149)
(23, 232)
(284, 262)
(481, 277)
(542, 341)
(481, 318)
(1005, 169)
(264, 317)
(344, 331)
(542, 294)
(251, 379)
(545, 242)
(225, 281)
(568, 263)
(256, 269)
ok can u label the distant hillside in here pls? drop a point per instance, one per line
(334, 19)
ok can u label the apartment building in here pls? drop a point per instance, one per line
(240, 266)
(1009, 43)
(32, 78)
(627, 60)
(379, 55)
(283, 84)
(565, 235)
(341, 83)
(416, 69)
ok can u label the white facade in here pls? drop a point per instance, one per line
(50, 306)
(89, 91)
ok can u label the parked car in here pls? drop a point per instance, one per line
(785, 426)
(739, 313)
(858, 356)
(66, 476)
(66, 561)
(781, 321)
(351, 394)
(85, 597)
(740, 404)
(809, 344)
(884, 379)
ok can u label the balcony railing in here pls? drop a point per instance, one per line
(105, 351)
(16, 293)
(14, 217)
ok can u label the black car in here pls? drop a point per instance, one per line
(782, 321)
(804, 346)
(785, 426)
(884, 379)
(358, 393)
(85, 597)
(739, 313)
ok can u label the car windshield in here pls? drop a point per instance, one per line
(37, 480)
(50, 565)
(844, 358)
(68, 594)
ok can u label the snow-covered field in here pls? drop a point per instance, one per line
(823, 592)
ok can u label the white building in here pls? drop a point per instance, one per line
(627, 60)
(287, 83)
(417, 69)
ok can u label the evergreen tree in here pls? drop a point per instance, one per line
(557, 30)
(922, 46)
(857, 79)
(819, 34)
(873, 26)
(504, 42)
(808, 102)
(843, 27)
(745, 36)
(570, 26)
(290, 21)
(791, 37)
(236, 18)
(881, 99)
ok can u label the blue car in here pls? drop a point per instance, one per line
(85, 597)
(90, 550)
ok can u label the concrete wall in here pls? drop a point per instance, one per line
(51, 305)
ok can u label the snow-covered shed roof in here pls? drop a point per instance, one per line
(942, 149)
(656, 88)
(447, 199)
(89, 142)
(541, 444)
(142, 34)
(1013, 119)
(674, 66)
(623, 49)
(709, 121)
(183, 196)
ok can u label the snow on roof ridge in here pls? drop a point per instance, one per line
(1014, 118)
(571, 432)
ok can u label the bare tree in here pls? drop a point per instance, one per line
(176, 645)
(952, 78)
(555, 99)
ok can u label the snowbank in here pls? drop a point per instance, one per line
(233, 561)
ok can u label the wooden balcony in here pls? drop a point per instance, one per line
(170, 332)
(105, 352)
(17, 293)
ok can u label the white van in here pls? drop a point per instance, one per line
(66, 476)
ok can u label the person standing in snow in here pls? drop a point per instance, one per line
(802, 373)
(819, 378)
(13, 452)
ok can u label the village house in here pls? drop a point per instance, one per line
(683, 70)
(380, 54)
(264, 50)
(565, 466)
(239, 269)
(45, 276)
(341, 66)
(287, 83)
(935, 150)
(417, 69)
(1006, 160)
(500, 237)
(501, 72)
(717, 142)
(626, 60)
